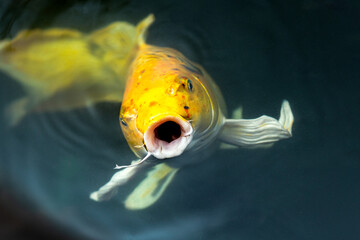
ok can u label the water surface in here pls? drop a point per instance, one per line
(259, 52)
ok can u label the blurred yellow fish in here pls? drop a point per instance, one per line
(170, 106)
(62, 69)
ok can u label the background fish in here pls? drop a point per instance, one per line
(62, 69)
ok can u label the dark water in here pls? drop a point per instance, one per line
(259, 52)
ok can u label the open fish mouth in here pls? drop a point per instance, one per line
(168, 137)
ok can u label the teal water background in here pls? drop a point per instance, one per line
(259, 52)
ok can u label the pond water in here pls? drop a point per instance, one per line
(259, 52)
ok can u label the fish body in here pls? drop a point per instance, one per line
(169, 102)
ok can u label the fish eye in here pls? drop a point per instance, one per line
(189, 85)
(123, 122)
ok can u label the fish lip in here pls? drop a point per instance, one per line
(162, 149)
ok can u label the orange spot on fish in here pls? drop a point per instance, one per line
(146, 89)
(187, 112)
(153, 103)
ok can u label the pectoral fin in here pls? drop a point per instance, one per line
(151, 188)
(259, 132)
(110, 188)
(145, 194)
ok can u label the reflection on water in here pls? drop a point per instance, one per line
(259, 52)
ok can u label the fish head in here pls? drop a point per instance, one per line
(171, 107)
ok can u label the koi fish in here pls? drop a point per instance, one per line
(63, 69)
(171, 108)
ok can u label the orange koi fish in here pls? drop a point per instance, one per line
(171, 108)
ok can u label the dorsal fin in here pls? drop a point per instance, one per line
(142, 27)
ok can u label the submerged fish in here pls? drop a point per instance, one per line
(171, 108)
(63, 69)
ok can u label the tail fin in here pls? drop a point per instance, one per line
(261, 131)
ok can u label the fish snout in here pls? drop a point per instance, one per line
(168, 136)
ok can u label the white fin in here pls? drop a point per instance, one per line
(119, 178)
(134, 164)
(259, 132)
(286, 117)
(236, 114)
(151, 188)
